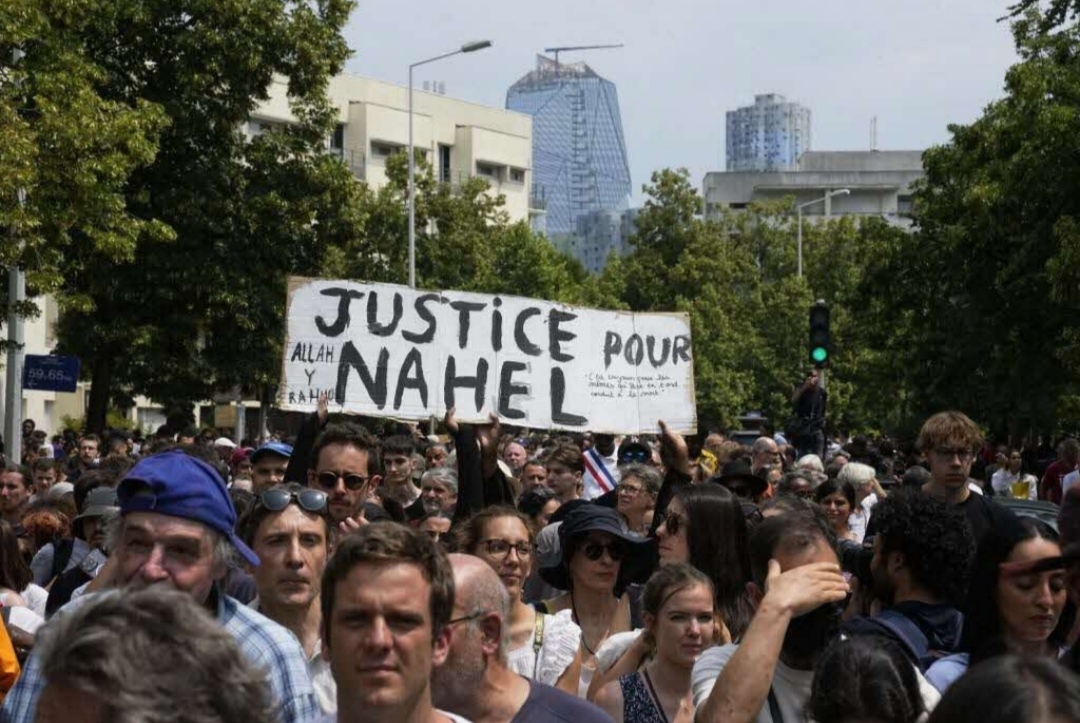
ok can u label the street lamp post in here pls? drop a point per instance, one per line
(466, 48)
(800, 207)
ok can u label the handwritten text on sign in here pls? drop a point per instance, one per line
(391, 351)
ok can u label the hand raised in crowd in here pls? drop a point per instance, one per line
(450, 420)
(805, 588)
(322, 408)
(352, 524)
(673, 451)
(488, 434)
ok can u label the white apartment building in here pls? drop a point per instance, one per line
(880, 184)
(460, 139)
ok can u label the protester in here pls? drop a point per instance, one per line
(397, 452)
(705, 527)
(87, 458)
(435, 456)
(638, 486)
(533, 476)
(439, 491)
(538, 505)
(798, 482)
(1051, 486)
(387, 599)
(16, 489)
(949, 440)
(1015, 602)
(46, 473)
(541, 647)
(1012, 689)
(807, 428)
(290, 530)
(767, 676)
(515, 457)
(176, 529)
(268, 465)
(475, 681)
(171, 662)
(738, 477)
(598, 562)
(1012, 481)
(837, 499)
(17, 586)
(919, 574)
(865, 679)
(346, 465)
(565, 468)
(680, 623)
(863, 479)
(9, 663)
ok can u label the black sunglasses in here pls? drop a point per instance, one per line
(637, 455)
(594, 550)
(673, 522)
(328, 480)
(277, 499)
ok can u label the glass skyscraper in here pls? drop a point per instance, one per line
(579, 152)
(769, 135)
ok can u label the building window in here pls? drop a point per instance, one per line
(517, 175)
(383, 150)
(337, 140)
(487, 170)
(904, 205)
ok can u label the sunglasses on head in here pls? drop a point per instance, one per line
(277, 499)
(594, 550)
(328, 480)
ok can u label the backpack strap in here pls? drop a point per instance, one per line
(908, 633)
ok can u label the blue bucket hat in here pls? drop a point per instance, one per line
(176, 484)
(276, 448)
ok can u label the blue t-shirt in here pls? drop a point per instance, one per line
(947, 671)
(550, 704)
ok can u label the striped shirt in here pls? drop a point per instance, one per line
(265, 643)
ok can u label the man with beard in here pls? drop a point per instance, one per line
(439, 491)
(475, 681)
(767, 676)
(921, 560)
(345, 465)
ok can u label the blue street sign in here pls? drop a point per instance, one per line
(50, 373)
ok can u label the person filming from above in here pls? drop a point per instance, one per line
(806, 429)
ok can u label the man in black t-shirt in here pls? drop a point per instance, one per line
(807, 426)
(949, 441)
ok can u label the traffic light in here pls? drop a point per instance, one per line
(820, 343)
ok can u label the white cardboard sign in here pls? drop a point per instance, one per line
(390, 351)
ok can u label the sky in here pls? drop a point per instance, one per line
(917, 65)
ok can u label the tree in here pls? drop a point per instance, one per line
(65, 149)
(178, 320)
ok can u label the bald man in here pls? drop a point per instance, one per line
(474, 682)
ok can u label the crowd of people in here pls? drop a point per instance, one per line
(489, 575)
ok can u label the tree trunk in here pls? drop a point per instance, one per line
(98, 407)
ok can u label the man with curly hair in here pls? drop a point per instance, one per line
(922, 558)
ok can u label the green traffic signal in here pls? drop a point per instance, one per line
(819, 355)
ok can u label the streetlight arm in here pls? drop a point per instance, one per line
(437, 57)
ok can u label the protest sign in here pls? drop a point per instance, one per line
(391, 351)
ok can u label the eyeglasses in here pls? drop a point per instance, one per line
(594, 551)
(467, 618)
(947, 453)
(629, 490)
(636, 455)
(276, 499)
(502, 548)
(328, 480)
(673, 522)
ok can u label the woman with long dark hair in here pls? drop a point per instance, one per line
(17, 588)
(1017, 601)
(837, 500)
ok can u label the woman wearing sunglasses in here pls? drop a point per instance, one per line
(680, 623)
(542, 647)
(1017, 600)
(598, 561)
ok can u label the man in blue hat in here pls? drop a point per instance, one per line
(268, 465)
(176, 529)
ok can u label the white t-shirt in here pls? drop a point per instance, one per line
(1003, 480)
(791, 687)
(861, 517)
(1068, 481)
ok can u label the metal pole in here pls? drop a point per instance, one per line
(412, 190)
(16, 350)
(799, 272)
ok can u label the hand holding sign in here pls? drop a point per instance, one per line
(673, 451)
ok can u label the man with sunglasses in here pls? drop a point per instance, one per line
(346, 467)
(289, 528)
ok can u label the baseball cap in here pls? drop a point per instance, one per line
(279, 448)
(176, 484)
